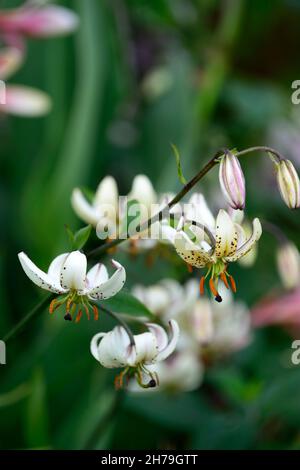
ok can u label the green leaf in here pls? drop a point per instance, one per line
(81, 237)
(178, 163)
(124, 302)
(70, 235)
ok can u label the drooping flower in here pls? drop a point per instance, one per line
(115, 216)
(105, 207)
(288, 183)
(67, 277)
(114, 350)
(203, 242)
(232, 180)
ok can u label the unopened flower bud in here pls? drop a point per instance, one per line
(232, 181)
(288, 182)
(288, 262)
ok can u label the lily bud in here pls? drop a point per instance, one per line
(232, 181)
(288, 262)
(288, 182)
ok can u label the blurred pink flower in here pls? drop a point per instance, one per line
(37, 21)
(278, 310)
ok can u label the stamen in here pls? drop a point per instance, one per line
(54, 304)
(68, 317)
(233, 284)
(189, 268)
(224, 279)
(214, 291)
(86, 311)
(78, 317)
(96, 312)
(201, 285)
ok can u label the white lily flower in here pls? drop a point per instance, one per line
(114, 350)
(67, 275)
(288, 263)
(213, 247)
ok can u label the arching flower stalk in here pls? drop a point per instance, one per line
(114, 349)
(67, 277)
(212, 244)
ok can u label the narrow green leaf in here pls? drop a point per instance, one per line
(81, 237)
(124, 302)
(178, 163)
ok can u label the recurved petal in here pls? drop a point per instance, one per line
(160, 335)
(167, 351)
(105, 290)
(83, 208)
(198, 210)
(55, 267)
(190, 252)
(111, 349)
(143, 191)
(73, 272)
(145, 349)
(107, 193)
(248, 245)
(38, 277)
(96, 275)
(226, 235)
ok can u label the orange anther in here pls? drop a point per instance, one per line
(233, 284)
(212, 287)
(78, 317)
(190, 268)
(96, 312)
(201, 285)
(224, 279)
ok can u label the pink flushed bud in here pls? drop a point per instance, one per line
(40, 21)
(288, 263)
(232, 181)
(288, 183)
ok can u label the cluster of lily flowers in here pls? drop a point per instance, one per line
(200, 328)
(32, 20)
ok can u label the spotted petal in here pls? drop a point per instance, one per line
(167, 351)
(111, 349)
(97, 275)
(39, 277)
(226, 235)
(248, 245)
(190, 252)
(105, 290)
(55, 267)
(73, 273)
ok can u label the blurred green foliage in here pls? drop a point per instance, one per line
(136, 76)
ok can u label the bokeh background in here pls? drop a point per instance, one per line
(135, 76)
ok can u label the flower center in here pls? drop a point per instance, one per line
(139, 372)
(217, 271)
(75, 305)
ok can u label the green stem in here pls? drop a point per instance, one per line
(165, 211)
(120, 320)
(33, 312)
